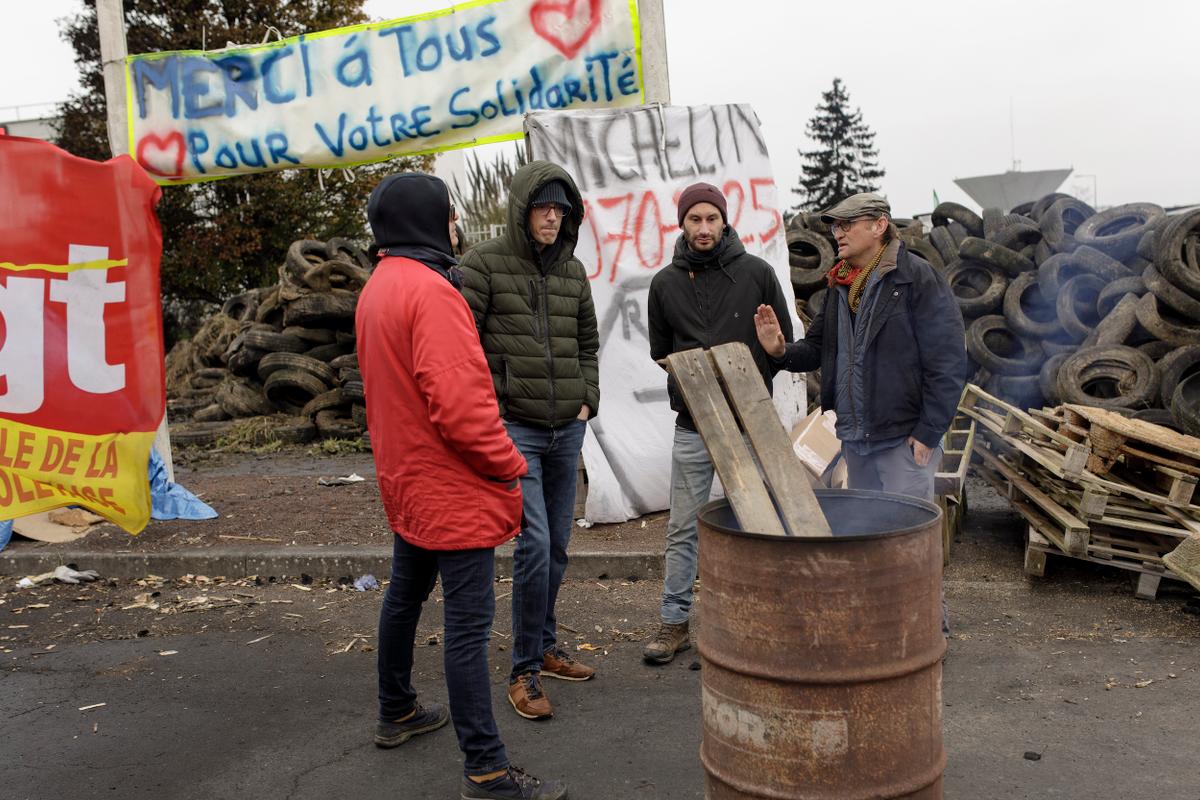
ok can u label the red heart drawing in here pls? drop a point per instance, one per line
(566, 24)
(154, 152)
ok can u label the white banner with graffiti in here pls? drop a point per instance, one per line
(451, 78)
(631, 166)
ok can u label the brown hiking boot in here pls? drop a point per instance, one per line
(526, 695)
(670, 639)
(557, 663)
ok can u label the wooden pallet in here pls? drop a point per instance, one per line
(1054, 462)
(1138, 451)
(957, 445)
(1055, 529)
(716, 384)
(1038, 547)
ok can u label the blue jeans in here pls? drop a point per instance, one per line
(691, 483)
(548, 492)
(469, 602)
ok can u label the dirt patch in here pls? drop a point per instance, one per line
(275, 501)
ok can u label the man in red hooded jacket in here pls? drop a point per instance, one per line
(448, 474)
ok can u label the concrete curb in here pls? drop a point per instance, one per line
(319, 562)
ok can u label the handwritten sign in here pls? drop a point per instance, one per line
(631, 166)
(457, 77)
(81, 354)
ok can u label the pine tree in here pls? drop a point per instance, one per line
(845, 161)
(225, 236)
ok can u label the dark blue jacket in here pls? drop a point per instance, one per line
(916, 364)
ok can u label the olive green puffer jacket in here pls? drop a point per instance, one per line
(536, 320)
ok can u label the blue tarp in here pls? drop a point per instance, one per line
(170, 500)
(167, 500)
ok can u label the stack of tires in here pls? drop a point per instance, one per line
(286, 355)
(1062, 304)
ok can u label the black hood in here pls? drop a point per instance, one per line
(409, 215)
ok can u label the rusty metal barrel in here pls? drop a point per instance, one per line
(822, 657)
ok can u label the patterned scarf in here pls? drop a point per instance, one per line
(842, 274)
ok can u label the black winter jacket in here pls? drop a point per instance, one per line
(703, 300)
(916, 364)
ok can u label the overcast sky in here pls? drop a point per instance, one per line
(1111, 89)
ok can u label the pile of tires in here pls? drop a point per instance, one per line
(283, 355)
(1061, 303)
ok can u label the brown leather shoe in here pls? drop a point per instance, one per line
(526, 695)
(557, 663)
(670, 639)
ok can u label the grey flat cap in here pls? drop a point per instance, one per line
(864, 204)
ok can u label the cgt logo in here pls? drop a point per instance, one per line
(84, 293)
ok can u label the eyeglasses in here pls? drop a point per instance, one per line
(546, 208)
(453, 213)
(845, 225)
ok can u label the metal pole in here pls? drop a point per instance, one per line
(110, 17)
(654, 52)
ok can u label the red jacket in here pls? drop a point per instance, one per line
(446, 465)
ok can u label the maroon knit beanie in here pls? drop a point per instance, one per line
(702, 193)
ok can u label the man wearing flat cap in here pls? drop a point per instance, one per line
(533, 307)
(706, 296)
(888, 340)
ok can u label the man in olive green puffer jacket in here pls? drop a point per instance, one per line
(533, 307)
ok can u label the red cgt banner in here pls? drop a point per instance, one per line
(81, 353)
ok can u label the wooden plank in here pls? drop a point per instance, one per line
(1035, 556)
(1147, 586)
(1052, 461)
(1179, 487)
(1016, 419)
(1036, 519)
(1075, 530)
(1190, 523)
(1186, 446)
(956, 461)
(1146, 455)
(784, 472)
(731, 458)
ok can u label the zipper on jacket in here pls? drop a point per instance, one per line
(504, 379)
(534, 306)
(549, 356)
(853, 368)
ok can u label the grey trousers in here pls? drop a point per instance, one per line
(691, 482)
(895, 470)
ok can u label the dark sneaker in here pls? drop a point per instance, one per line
(557, 663)
(526, 695)
(394, 734)
(670, 639)
(515, 784)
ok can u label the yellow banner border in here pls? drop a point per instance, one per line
(104, 263)
(636, 28)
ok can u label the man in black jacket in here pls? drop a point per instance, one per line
(888, 340)
(706, 296)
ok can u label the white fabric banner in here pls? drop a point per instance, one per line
(456, 77)
(631, 165)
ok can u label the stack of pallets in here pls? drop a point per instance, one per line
(1092, 484)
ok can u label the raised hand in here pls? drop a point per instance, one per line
(770, 335)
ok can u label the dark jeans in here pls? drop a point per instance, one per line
(469, 603)
(540, 560)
